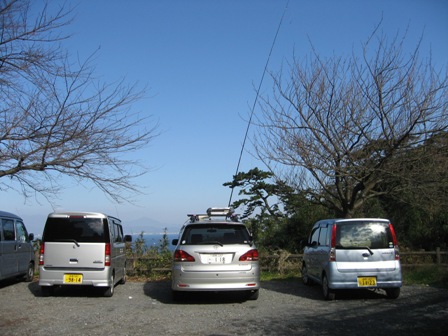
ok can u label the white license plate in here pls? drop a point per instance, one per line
(216, 259)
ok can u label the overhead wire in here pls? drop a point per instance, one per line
(256, 98)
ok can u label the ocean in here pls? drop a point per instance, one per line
(155, 239)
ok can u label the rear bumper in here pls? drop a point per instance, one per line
(55, 277)
(215, 281)
(390, 278)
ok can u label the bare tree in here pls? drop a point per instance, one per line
(336, 127)
(56, 118)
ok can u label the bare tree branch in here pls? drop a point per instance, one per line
(335, 127)
(57, 119)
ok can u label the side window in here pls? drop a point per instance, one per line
(22, 234)
(8, 229)
(323, 237)
(118, 232)
(314, 237)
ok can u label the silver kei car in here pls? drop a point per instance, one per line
(215, 252)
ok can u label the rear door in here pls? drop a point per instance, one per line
(76, 242)
(364, 246)
(217, 247)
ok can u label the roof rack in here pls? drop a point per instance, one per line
(226, 212)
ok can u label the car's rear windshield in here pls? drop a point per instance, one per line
(363, 234)
(87, 230)
(215, 233)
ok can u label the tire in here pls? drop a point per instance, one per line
(29, 276)
(124, 278)
(109, 292)
(47, 290)
(177, 296)
(305, 278)
(393, 293)
(253, 295)
(329, 294)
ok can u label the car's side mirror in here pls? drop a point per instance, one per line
(175, 241)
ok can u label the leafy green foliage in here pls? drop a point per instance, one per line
(145, 259)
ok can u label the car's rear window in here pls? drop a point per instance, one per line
(363, 234)
(197, 234)
(78, 229)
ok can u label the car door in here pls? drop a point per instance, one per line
(9, 262)
(312, 252)
(118, 247)
(23, 247)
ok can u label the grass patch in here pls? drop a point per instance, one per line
(426, 275)
(422, 275)
(269, 276)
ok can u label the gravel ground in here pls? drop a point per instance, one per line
(283, 308)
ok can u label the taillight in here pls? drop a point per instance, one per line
(251, 255)
(107, 255)
(395, 242)
(333, 244)
(41, 253)
(180, 255)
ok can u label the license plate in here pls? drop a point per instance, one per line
(216, 259)
(366, 282)
(73, 278)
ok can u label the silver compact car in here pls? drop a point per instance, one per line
(351, 254)
(215, 252)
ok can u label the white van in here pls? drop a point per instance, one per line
(352, 253)
(16, 248)
(82, 248)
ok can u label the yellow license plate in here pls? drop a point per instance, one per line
(73, 278)
(366, 282)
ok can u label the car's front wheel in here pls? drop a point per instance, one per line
(124, 278)
(305, 278)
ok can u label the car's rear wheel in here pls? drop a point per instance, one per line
(109, 292)
(305, 278)
(177, 295)
(329, 294)
(253, 295)
(393, 293)
(47, 290)
(29, 273)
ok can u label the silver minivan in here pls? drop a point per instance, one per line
(352, 254)
(215, 252)
(16, 248)
(82, 248)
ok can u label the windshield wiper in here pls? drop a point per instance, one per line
(68, 240)
(368, 249)
(211, 242)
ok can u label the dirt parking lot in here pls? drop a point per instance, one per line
(283, 308)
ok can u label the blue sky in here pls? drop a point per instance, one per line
(201, 61)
